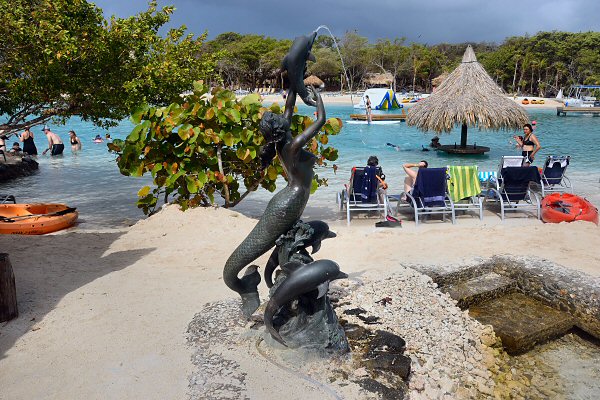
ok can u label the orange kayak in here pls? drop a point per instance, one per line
(35, 219)
(566, 207)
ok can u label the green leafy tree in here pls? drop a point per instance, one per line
(206, 146)
(61, 58)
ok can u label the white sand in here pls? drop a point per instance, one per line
(104, 314)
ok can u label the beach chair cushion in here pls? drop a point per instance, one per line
(554, 169)
(515, 182)
(464, 182)
(430, 187)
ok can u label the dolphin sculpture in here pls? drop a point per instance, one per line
(295, 64)
(320, 232)
(302, 278)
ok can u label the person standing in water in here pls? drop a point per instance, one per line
(368, 108)
(28, 144)
(55, 143)
(75, 141)
(530, 144)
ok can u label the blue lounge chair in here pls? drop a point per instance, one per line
(362, 192)
(553, 176)
(513, 191)
(429, 196)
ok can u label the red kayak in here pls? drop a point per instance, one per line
(566, 207)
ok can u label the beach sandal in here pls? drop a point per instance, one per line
(388, 224)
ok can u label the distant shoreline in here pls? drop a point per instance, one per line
(347, 99)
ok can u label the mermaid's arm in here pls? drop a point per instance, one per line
(303, 138)
(290, 103)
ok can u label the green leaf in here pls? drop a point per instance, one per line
(253, 98)
(143, 192)
(228, 139)
(192, 184)
(235, 114)
(134, 136)
(202, 178)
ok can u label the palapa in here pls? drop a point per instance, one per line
(437, 81)
(379, 79)
(467, 97)
(314, 80)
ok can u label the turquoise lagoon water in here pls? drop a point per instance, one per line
(90, 180)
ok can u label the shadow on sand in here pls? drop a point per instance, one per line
(41, 286)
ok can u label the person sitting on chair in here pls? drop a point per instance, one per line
(373, 169)
(411, 174)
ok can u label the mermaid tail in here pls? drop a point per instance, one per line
(284, 209)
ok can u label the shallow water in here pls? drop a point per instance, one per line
(90, 180)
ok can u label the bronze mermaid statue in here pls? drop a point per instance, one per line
(286, 207)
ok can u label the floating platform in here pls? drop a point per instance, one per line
(379, 117)
(578, 110)
(355, 122)
(469, 149)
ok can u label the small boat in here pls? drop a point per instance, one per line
(567, 207)
(35, 219)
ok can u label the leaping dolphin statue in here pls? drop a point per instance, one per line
(320, 232)
(295, 64)
(302, 278)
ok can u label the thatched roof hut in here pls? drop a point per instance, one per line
(467, 97)
(437, 81)
(314, 80)
(379, 79)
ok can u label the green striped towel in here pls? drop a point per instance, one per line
(464, 182)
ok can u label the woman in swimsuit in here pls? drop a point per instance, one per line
(529, 143)
(28, 144)
(368, 108)
(75, 141)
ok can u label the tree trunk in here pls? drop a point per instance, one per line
(463, 136)
(8, 291)
(225, 185)
(515, 76)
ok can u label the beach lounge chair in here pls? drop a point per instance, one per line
(362, 192)
(464, 189)
(429, 195)
(553, 176)
(513, 191)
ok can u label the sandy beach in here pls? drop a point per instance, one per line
(104, 314)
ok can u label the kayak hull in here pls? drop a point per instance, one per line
(566, 207)
(29, 219)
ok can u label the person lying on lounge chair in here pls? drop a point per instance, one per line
(411, 174)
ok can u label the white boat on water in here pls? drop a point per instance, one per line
(580, 96)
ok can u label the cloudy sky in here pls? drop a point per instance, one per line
(423, 21)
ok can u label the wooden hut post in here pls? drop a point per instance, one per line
(463, 136)
(8, 292)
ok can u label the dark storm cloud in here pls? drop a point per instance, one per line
(423, 21)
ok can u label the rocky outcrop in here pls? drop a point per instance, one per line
(15, 167)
